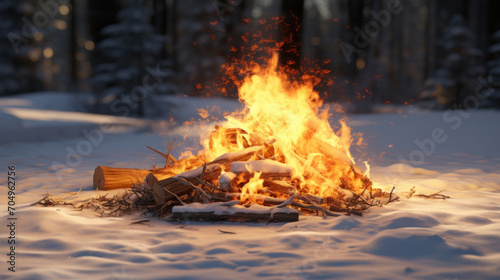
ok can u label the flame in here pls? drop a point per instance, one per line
(253, 186)
(289, 114)
(293, 114)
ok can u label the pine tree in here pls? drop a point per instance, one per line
(17, 53)
(460, 67)
(200, 44)
(491, 93)
(132, 51)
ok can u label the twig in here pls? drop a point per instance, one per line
(167, 156)
(286, 202)
(436, 195)
(390, 196)
(227, 232)
(315, 207)
(139, 222)
(412, 191)
(203, 172)
(207, 184)
(187, 183)
(230, 203)
(182, 202)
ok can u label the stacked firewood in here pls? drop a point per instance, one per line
(215, 190)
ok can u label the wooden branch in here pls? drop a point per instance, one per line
(238, 216)
(174, 186)
(311, 198)
(281, 187)
(437, 195)
(266, 200)
(109, 178)
(212, 172)
(166, 156)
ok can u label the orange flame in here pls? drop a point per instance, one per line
(293, 114)
(252, 187)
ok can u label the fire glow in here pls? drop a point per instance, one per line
(292, 115)
(279, 150)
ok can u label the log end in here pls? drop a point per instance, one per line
(151, 179)
(99, 179)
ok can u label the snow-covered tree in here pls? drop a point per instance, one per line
(491, 93)
(132, 69)
(460, 66)
(17, 54)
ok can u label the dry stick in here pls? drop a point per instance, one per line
(286, 202)
(436, 195)
(358, 196)
(277, 201)
(390, 196)
(412, 191)
(203, 171)
(213, 171)
(227, 232)
(315, 207)
(207, 184)
(140, 222)
(187, 183)
(182, 202)
(167, 156)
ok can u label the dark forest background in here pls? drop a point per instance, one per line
(438, 54)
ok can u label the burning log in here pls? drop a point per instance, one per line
(336, 155)
(228, 137)
(212, 172)
(109, 178)
(306, 157)
(269, 171)
(219, 212)
(233, 138)
(266, 165)
(266, 176)
(282, 187)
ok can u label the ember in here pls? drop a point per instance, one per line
(279, 150)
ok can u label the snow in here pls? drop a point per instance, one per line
(265, 165)
(236, 154)
(197, 171)
(225, 180)
(416, 238)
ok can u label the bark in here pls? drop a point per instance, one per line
(217, 212)
(109, 178)
(212, 171)
(238, 216)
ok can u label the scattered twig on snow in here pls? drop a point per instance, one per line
(227, 232)
(437, 195)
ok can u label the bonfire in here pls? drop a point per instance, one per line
(274, 159)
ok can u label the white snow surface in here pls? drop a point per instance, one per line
(415, 238)
(265, 165)
(235, 154)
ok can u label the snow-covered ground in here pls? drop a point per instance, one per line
(56, 150)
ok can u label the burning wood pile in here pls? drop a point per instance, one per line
(276, 158)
